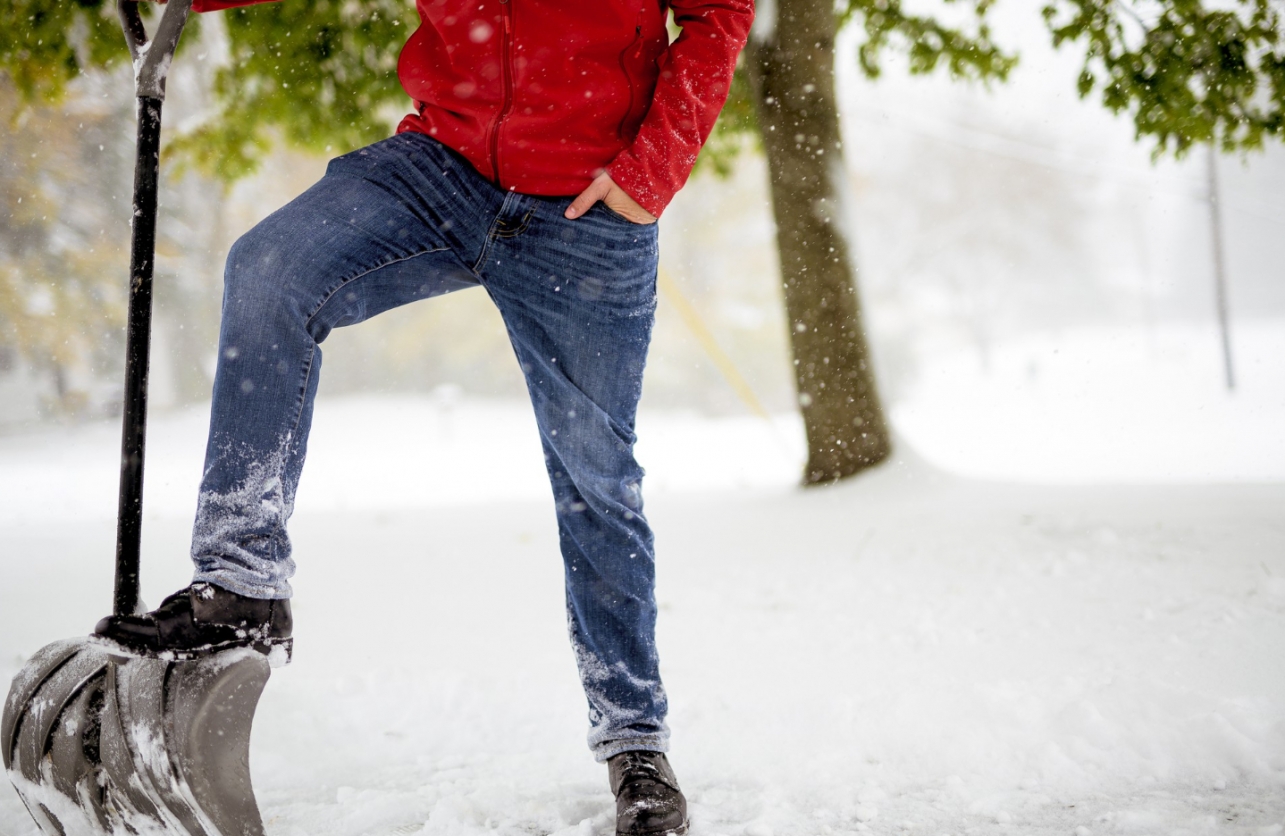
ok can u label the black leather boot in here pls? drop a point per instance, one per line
(198, 621)
(648, 800)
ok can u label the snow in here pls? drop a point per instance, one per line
(1091, 404)
(1001, 637)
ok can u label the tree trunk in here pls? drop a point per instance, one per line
(792, 71)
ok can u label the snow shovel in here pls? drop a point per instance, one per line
(96, 743)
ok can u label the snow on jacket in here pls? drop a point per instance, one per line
(543, 95)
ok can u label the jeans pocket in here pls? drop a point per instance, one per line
(616, 216)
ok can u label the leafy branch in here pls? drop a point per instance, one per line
(1191, 75)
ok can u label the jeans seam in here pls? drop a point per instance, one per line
(303, 393)
(345, 282)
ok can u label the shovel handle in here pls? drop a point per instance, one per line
(152, 57)
(151, 66)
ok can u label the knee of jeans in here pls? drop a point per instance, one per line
(586, 488)
(243, 258)
(255, 260)
(592, 454)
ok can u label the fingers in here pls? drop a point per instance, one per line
(619, 201)
(596, 191)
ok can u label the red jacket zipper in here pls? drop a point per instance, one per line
(634, 46)
(506, 71)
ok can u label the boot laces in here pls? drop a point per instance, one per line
(640, 770)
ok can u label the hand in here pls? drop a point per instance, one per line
(617, 199)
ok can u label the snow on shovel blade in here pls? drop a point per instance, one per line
(98, 744)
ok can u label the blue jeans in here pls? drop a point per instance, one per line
(407, 219)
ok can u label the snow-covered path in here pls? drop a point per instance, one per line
(910, 653)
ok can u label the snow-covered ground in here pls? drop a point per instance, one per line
(914, 652)
(1141, 405)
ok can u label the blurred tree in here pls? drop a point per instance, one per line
(790, 62)
(61, 300)
(1187, 71)
(321, 74)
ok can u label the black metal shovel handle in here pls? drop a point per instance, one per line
(152, 60)
(152, 57)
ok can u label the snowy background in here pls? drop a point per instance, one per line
(1059, 610)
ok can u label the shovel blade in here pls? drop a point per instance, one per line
(100, 744)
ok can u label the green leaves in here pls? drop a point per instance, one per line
(45, 44)
(737, 126)
(1187, 73)
(966, 51)
(321, 74)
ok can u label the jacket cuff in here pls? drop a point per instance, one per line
(629, 173)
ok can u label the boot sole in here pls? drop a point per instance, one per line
(681, 830)
(280, 652)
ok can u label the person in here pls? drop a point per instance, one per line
(546, 139)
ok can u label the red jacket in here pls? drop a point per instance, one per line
(542, 95)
